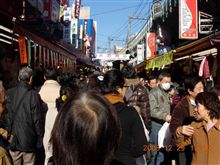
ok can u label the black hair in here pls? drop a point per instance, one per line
(112, 80)
(211, 102)
(191, 82)
(51, 74)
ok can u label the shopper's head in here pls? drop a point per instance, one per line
(152, 82)
(51, 74)
(194, 85)
(113, 81)
(25, 74)
(86, 131)
(165, 80)
(208, 105)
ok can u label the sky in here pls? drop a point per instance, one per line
(112, 19)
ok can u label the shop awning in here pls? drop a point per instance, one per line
(196, 46)
(52, 46)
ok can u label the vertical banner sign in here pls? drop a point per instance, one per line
(74, 32)
(94, 36)
(150, 45)
(77, 8)
(188, 19)
(80, 28)
(140, 53)
(22, 50)
(85, 43)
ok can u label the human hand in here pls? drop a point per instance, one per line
(186, 130)
(168, 118)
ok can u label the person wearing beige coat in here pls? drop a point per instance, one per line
(49, 92)
(204, 135)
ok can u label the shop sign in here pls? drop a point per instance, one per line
(150, 45)
(74, 32)
(77, 8)
(160, 61)
(140, 53)
(22, 50)
(188, 19)
(157, 9)
(67, 14)
(112, 57)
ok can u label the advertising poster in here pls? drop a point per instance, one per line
(150, 45)
(188, 19)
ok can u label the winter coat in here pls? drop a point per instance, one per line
(182, 114)
(133, 137)
(159, 104)
(4, 155)
(139, 97)
(205, 144)
(23, 122)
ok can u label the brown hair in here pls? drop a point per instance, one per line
(86, 131)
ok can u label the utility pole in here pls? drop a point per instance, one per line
(129, 26)
(110, 39)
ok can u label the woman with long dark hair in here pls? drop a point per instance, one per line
(133, 139)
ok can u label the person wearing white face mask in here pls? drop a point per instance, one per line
(160, 112)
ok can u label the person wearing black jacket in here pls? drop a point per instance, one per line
(23, 118)
(133, 137)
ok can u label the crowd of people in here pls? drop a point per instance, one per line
(54, 118)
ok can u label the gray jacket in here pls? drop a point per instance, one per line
(159, 103)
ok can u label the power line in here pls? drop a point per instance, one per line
(115, 10)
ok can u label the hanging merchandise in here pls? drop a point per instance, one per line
(22, 50)
(204, 68)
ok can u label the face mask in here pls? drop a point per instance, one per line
(193, 103)
(166, 86)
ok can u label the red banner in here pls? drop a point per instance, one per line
(150, 45)
(22, 50)
(188, 19)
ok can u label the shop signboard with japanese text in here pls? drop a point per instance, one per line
(77, 8)
(188, 19)
(74, 32)
(140, 53)
(150, 45)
